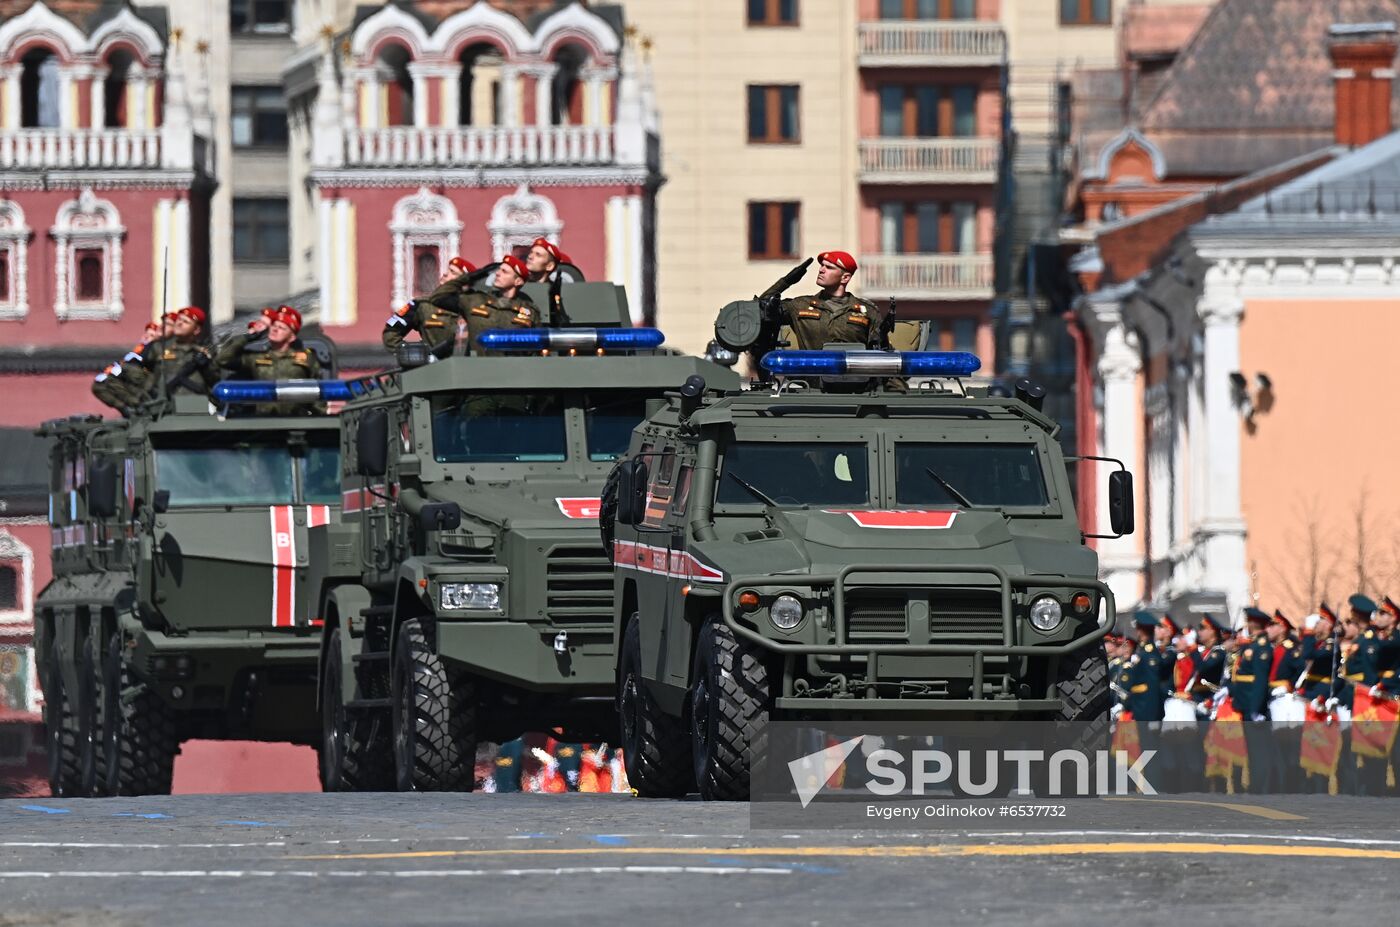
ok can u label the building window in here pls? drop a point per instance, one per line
(88, 276)
(953, 335)
(773, 114)
(14, 250)
(38, 90)
(427, 260)
(9, 587)
(928, 111)
(928, 9)
(773, 230)
(772, 12)
(259, 117)
(88, 234)
(1086, 12)
(928, 227)
(425, 233)
(260, 230)
(6, 287)
(272, 16)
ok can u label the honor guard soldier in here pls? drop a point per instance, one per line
(123, 384)
(1249, 691)
(1211, 662)
(509, 765)
(1318, 685)
(1286, 709)
(1181, 759)
(286, 358)
(435, 322)
(180, 362)
(1143, 685)
(1359, 669)
(1112, 644)
(832, 315)
(1388, 671)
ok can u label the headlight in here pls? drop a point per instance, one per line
(785, 612)
(1046, 613)
(470, 595)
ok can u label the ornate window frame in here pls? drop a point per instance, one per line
(14, 241)
(521, 217)
(423, 218)
(83, 223)
(15, 553)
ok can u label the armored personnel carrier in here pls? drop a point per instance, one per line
(863, 538)
(178, 604)
(465, 596)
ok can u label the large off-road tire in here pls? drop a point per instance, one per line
(1081, 682)
(355, 753)
(61, 729)
(143, 738)
(655, 746)
(730, 699)
(607, 508)
(434, 709)
(98, 704)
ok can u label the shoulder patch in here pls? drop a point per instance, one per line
(1287, 644)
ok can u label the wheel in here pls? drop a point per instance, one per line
(655, 746)
(60, 727)
(434, 718)
(98, 704)
(729, 705)
(607, 508)
(1081, 683)
(354, 754)
(142, 740)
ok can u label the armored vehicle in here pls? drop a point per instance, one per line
(176, 608)
(834, 546)
(465, 596)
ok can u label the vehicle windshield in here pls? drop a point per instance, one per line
(1001, 475)
(248, 474)
(795, 474)
(499, 427)
(609, 418)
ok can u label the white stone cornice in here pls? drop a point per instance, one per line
(486, 177)
(1220, 309)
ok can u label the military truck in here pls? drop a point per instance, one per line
(867, 537)
(176, 607)
(464, 597)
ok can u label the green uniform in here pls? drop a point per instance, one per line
(484, 311)
(165, 359)
(816, 320)
(123, 384)
(296, 363)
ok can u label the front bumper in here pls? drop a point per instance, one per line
(532, 656)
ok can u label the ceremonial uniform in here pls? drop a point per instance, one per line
(1359, 668)
(1142, 685)
(1249, 691)
(509, 765)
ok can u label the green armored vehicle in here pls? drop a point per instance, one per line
(846, 544)
(177, 609)
(465, 595)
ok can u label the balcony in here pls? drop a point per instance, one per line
(926, 276)
(413, 146)
(929, 160)
(38, 149)
(931, 44)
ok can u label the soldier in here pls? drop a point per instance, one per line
(1249, 691)
(122, 384)
(436, 325)
(1359, 669)
(180, 362)
(509, 766)
(286, 358)
(1142, 676)
(1288, 661)
(1388, 671)
(831, 315)
(543, 259)
(1317, 684)
(504, 307)
(1212, 658)
(1179, 723)
(1111, 645)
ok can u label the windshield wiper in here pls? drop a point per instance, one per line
(754, 491)
(948, 488)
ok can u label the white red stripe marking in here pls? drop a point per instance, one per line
(662, 562)
(903, 519)
(318, 515)
(357, 500)
(584, 507)
(284, 559)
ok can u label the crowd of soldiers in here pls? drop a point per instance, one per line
(544, 763)
(1274, 707)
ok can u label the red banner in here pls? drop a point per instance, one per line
(1125, 737)
(1322, 743)
(1373, 724)
(1224, 743)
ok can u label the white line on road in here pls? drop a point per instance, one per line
(1313, 838)
(397, 873)
(54, 845)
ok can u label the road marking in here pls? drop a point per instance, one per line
(1259, 811)
(1029, 849)
(55, 845)
(1217, 835)
(45, 810)
(397, 873)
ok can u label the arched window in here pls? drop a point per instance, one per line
(16, 579)
(427, 264)
(114, 113)
(88, 272)
(14, 256)
(38, 89)
(566, 107)
(426, 233)
(520, 218)
(479, 93)
(398, 85)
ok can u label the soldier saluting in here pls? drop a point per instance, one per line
(180, 362)
(833, 314)
(436, 325)
(504, 307)
(285, 358)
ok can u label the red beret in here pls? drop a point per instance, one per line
(515, 264)
(461, 265)
(841, 259)
(289, 317)
(195, 313)
(564, 258)
(549, 246)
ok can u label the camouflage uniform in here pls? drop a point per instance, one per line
(165, 358)
(124, 383)
(480, 311)
(297, 362)
(816, 321)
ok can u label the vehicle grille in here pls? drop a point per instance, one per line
(579, 586)
(877, 619)
(964, 615)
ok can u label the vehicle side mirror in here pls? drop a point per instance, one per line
(372, 443)
(440, 516)
(102, 490)
(632, 492)
(160, 503)
(1120, 502)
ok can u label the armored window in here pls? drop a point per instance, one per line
(9, 587)
(260, 230)
(499, 427)
(609, 418)
(88, 275)
(773, 231)
(259, 117)
(1001, 475)
(272, 16)
(320, 474)
(774, 114)
(666, 466)
(1086, 12)
(794, 474)
(772, 12)
(682, 490)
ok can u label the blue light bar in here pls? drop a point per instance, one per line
(871, 363)
(571, 339)
(237, 391)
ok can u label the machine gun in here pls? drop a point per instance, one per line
(558, 318)
(753, 325)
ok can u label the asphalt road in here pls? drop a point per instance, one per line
(309, 859)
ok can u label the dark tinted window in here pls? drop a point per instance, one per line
(499, 427)
(249, 475)
(321, 475)
(795, 474)
(609, 418)
(987, 474)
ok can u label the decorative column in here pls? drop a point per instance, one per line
(1222, 530)
(11, 77)
(419, 74)
(1120, 562)
(138, 82)
(595, 103)
(97, 97)
(510, 94)
(543, 76)
(450, 82)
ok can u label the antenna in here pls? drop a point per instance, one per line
(164, 310)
